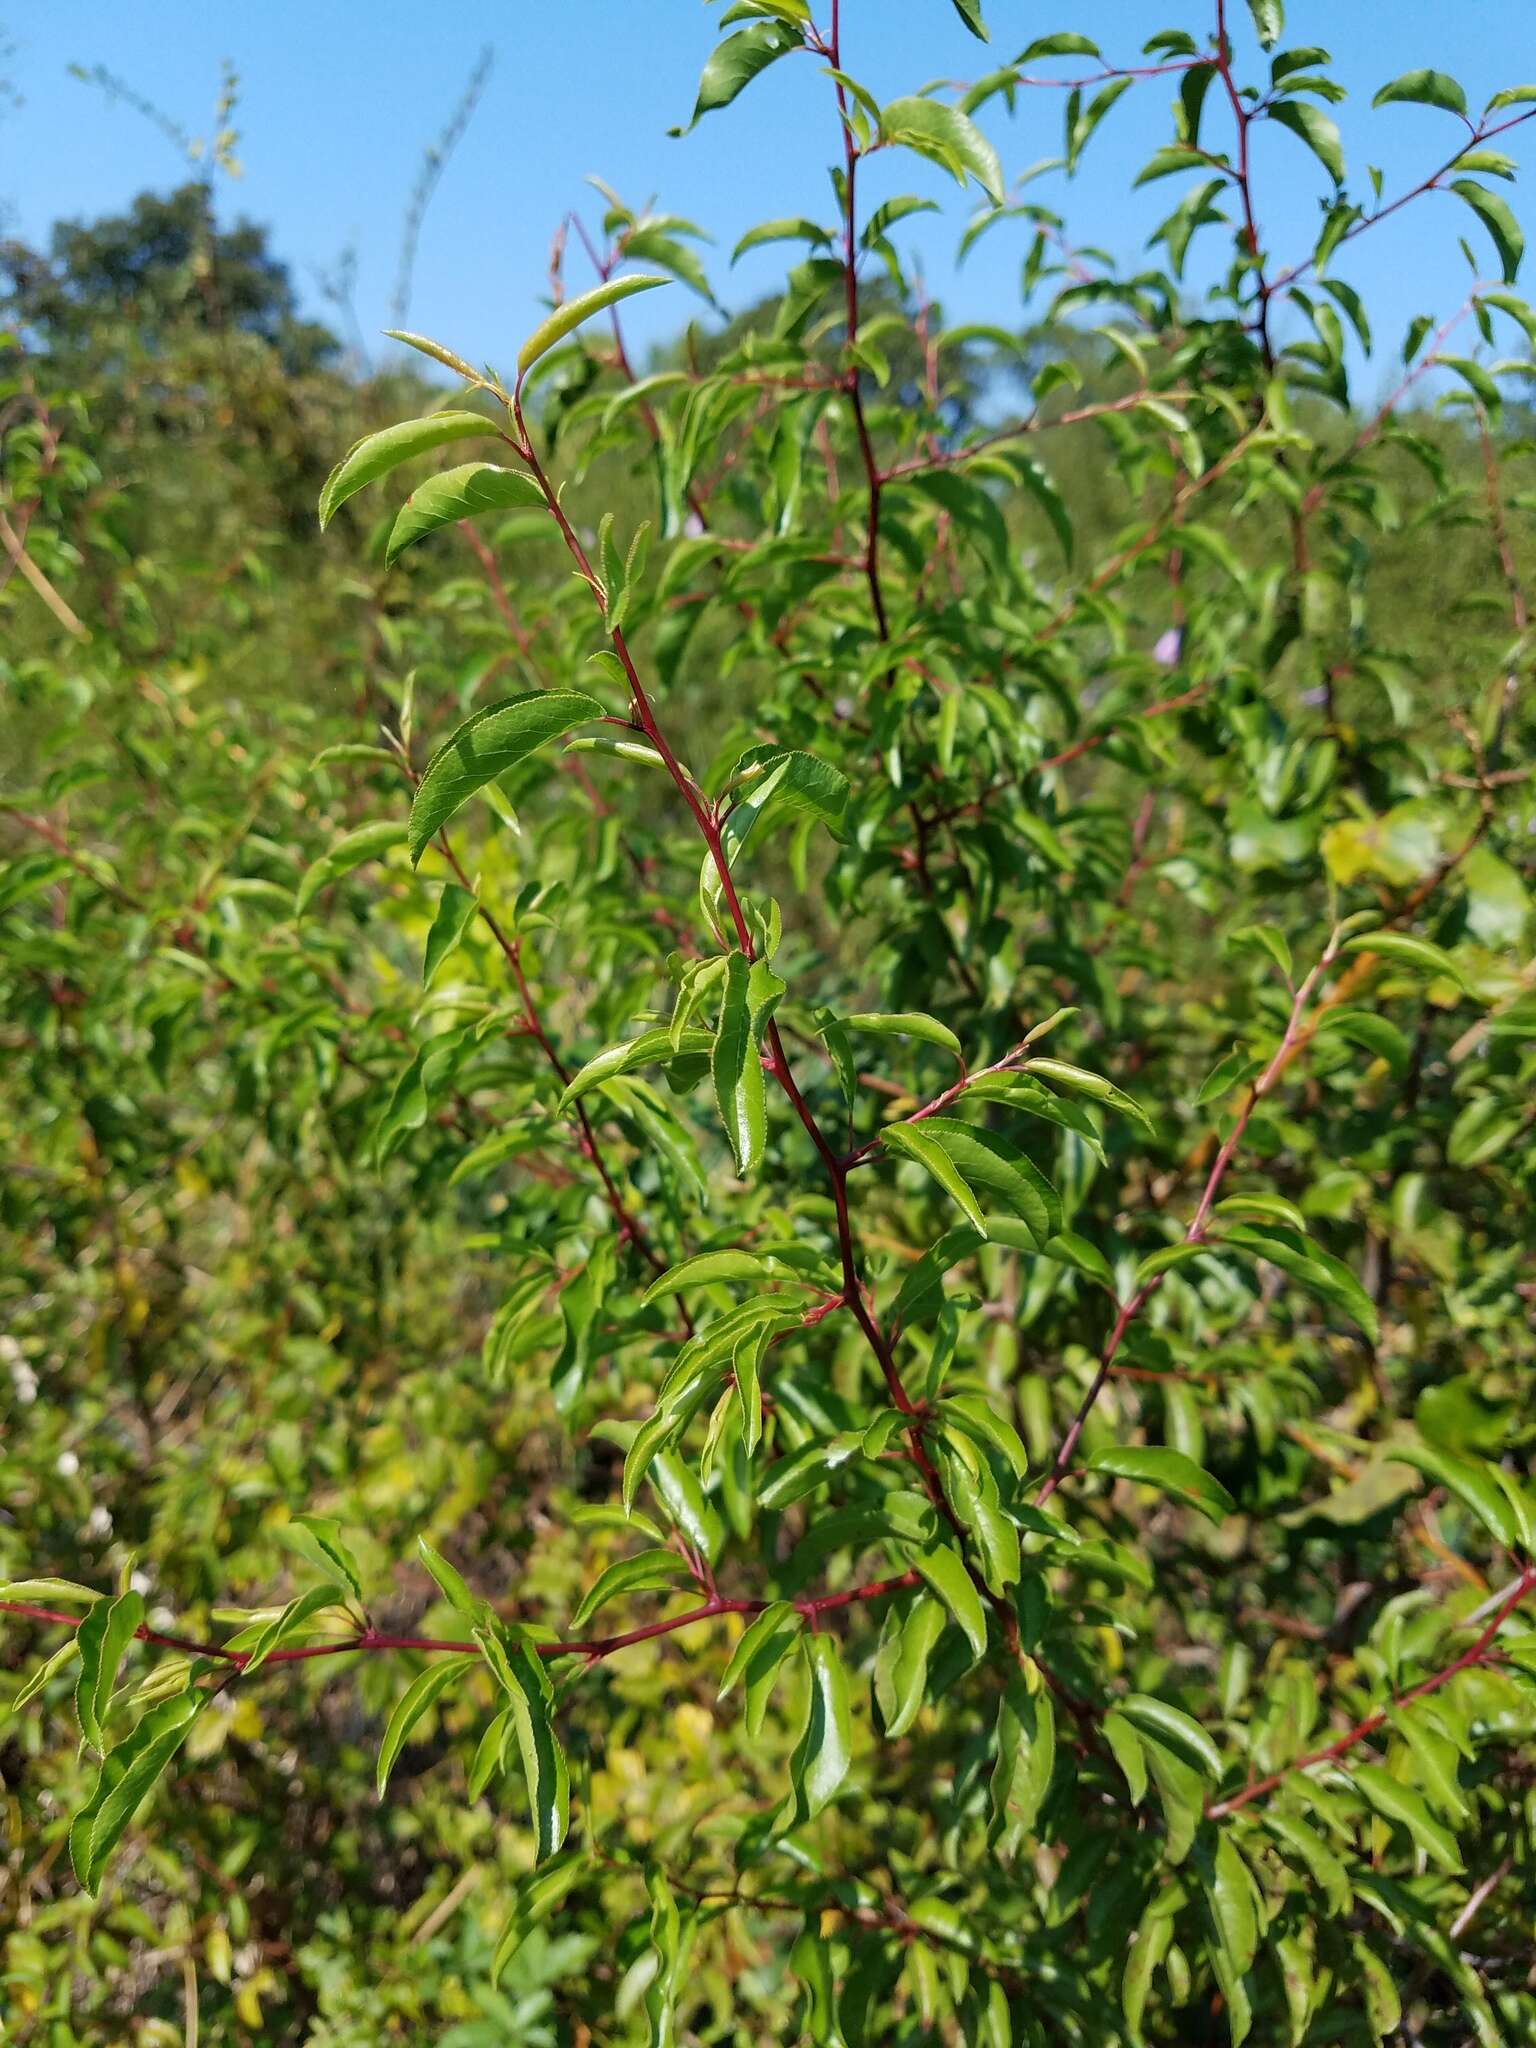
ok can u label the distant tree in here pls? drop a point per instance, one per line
(162, 268)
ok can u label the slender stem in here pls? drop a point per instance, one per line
(1037, 423)
(873, 478)
(630, 1229)
(1154, 533)
(15, 547)
(976, 805)
(1478, 1653)
(776, 1059)
(1244, 121)
(1062, 1463)
(1430, 184)
(375, 1642)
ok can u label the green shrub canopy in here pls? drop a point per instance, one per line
(768, 1174)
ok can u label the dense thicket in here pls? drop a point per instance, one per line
(833, 1221)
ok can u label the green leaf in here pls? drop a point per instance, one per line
(520, 1673)
(825, 1749)
(1236, 1066)
(908, 1637)
(426, 346)
(103, 1636)
(746, 1367)
(571, 315)
(977, 1503)
(485, 747)
(377, 454)
(651, 1048)
(368, 842)
(972, 1414)
(536, 1896)
(1129, 1752)
(1412, 951)
(1154, 1937)
(683, 1498)
(49, 1589)
(1379, 1991)
(651, 1571)
(1081, 1082)
(1327, 1869)
(1400, 1804)
(1314, 1269)
(1041, 486)
(1425, 89)
(734, 64)
(905, 1024)
(948, 138)
(318, 1540)
(793, 229)
(1020, 1093)
(1498, 218)
(1082, 121)
(1170, 1472)
(1474, 1485)
(737, 1069)
(757, 1657)
(45, 1674)
(1374, 1033)
(273, 1634)
(124, 1781)
(1265, 938)
(1026, 1758)
(921, 1294)
(1061, 43)
(914, 1143)
(1248, 1208)
(1232, 1896)
(455, 913)
(969, 12)
(1171, 1725)
(1181, 1789)
(458, 494)
(945, 1571)
(1319, 131)
(1436, 1762)
(706, 1268)
(421, 1694)
(989, 1161)
(974, 510)
(1268, 21)
(449, 1582)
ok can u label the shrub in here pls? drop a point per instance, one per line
(938, 1263)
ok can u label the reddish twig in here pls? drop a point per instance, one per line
(1195, 1232)
(375, 1641)
(1509, 1600)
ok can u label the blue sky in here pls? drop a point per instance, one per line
(339, 100)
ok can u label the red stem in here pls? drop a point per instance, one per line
(1062, 1462)
(1341, 1744)
(373, 1641)
(1479, 136)
(1244, 119)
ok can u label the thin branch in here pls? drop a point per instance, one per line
(1195, 1232)
(374, 1642)
(1509, 1600)
(23, 562)
(1037, 423)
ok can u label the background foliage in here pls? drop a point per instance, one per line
(1041, 1324)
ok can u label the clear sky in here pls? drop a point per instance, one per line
(339, 99)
